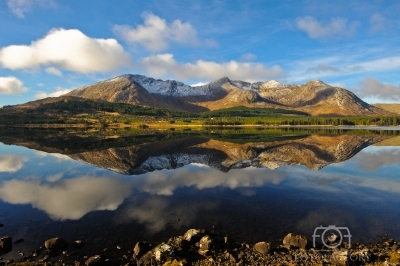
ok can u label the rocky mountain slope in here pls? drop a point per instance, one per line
(124, 89)
(314, 97)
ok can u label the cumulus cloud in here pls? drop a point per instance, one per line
(156, 34)
(374, 87)
(53, 71)
(336, 28)
(67, 199)
(11, 85)
(20, 7)
(67, 50)
(12, 163)
(165, 65)
(58, 92)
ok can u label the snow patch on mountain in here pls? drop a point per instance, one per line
(272, 84)
(179, 89)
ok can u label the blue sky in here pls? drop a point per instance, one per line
(49, 47)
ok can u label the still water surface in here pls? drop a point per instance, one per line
(250, 190)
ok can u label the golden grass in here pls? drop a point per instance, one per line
(391, 107)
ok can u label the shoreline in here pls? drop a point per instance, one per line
(202, 247)
(164, 125)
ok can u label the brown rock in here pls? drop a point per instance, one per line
(78, 244)
(293, 240)
(193, 235)
(262, 247)
(141, 248)
(5, 243)
(56, 244)
(205, 243)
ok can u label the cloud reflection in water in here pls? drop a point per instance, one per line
(12, 163)
(67, 199)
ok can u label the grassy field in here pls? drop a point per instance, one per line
(88, 113)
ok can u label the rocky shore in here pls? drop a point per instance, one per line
(200, 247)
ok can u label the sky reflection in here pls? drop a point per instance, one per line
(361, 192)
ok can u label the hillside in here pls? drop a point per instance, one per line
(314, 97)
(391, 107)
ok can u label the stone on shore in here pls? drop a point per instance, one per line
(5, 244)
(293, 240)
(193, 235)
(262, 247)
(163, 252)
(141, 248)
(78, 244)
(56, 244)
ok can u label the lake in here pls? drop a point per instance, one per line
(113, 188)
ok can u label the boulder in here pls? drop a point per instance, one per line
(293, 240)
(178, 242)
(262, 247)
(56, 244)
(339, 257)
(96, 260)
(205, 243)
(193, 235)
(360, 257)
(162, 252)
(6, 242)
(19, 241)
(141, 248)
(78, 244)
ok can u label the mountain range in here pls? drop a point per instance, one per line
(314, 97)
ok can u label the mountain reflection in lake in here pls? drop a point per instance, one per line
(251, 185)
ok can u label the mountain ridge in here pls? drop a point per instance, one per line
(314, 97)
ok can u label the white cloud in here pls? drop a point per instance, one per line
(68, 50)
(336, 28)
(374, 87)
(20, 7)
(346, 61)
(67, 199)
(58, 92)
(156, 34)
(59, 157)
(11, 85)
(12, 163)
(166, 65)
(53, 71)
